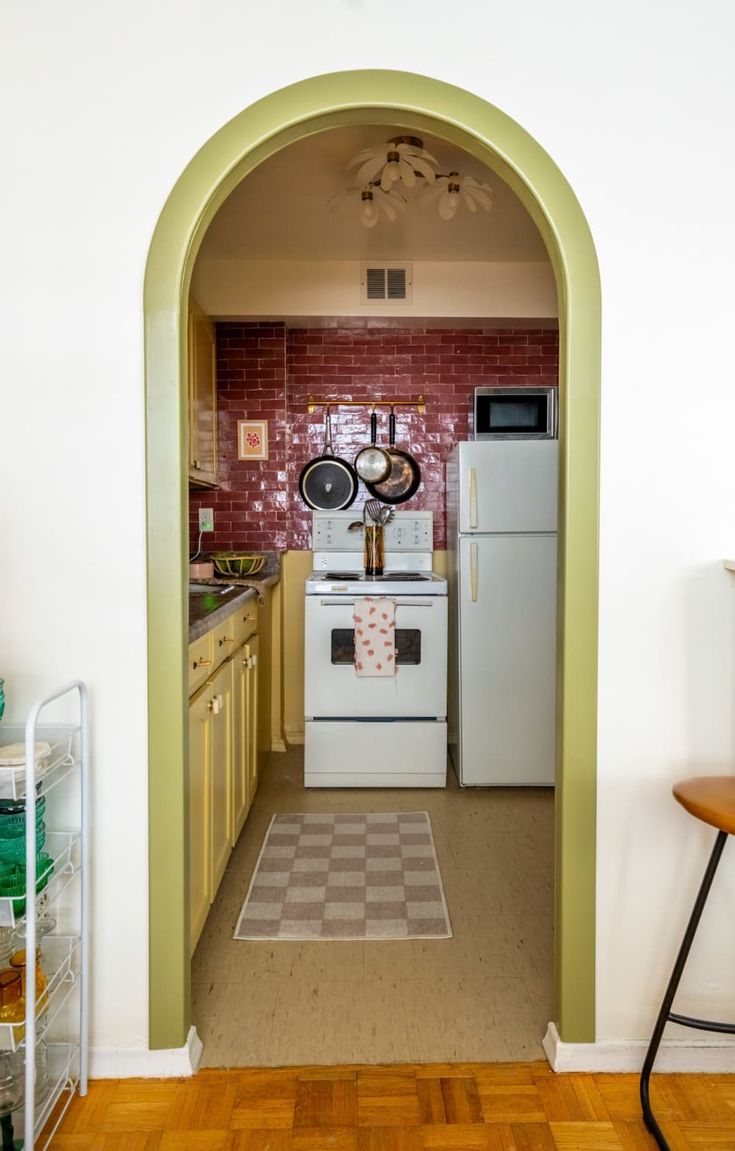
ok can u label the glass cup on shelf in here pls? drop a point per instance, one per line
(18, 961)
(12, 1081)
(43, 1082)
(6, 946)
(12, 1008)
(44, 926)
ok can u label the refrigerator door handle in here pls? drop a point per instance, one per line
(473, 497)
(473, 572)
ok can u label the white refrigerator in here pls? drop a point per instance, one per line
(501, 525)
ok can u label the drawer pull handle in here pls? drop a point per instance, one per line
(227, 639)
(202, 663)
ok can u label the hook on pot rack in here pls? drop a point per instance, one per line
(314, 402)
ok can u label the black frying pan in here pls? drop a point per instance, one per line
(327, 483)
(405, 474)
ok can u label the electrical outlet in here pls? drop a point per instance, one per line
(206, 520)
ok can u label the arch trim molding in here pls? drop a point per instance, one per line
(310, 106)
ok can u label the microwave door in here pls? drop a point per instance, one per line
(507, 486)
(515, 413)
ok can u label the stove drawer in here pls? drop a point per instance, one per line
(365, 754)
(332, 688)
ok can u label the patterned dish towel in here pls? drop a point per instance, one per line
(375, 635)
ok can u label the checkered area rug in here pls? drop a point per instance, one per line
(372, 876)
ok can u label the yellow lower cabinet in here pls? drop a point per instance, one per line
(220, 687)
(240, 797)
(245, 733)
(200, 757)
(251, 650)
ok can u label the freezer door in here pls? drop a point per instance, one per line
(507, 660)
(507, 486)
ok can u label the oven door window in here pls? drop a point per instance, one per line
(408, 646)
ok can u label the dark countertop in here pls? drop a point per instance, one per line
(208, 608)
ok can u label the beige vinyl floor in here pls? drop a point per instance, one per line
(484, 995)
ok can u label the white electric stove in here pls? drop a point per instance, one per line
(375, 731)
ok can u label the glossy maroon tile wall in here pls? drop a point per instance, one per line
(266, 371)
(251, 504)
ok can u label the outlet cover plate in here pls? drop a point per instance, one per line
(206, 520)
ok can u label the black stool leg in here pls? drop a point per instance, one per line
(664, 1014)
(6, 1128)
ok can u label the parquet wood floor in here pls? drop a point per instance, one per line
(411, 1107)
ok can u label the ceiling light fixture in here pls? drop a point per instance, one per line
(386, 177)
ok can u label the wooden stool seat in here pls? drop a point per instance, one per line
(710, 798)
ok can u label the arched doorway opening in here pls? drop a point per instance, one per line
(257, 133)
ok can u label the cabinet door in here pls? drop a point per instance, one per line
(221, 779)
(202, 397)
(251, 650)
(240, 794)
(200, 871)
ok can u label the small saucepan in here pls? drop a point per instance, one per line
(372, 463)
(327, 483)
(405, 474)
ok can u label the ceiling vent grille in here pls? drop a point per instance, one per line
(385, 283)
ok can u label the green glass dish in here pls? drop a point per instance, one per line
(14, 826)
(13, 881)
(14, 850)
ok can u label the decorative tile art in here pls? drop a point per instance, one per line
(342, 876)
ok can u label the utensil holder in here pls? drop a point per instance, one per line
(374, 549)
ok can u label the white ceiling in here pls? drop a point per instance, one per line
(280, 211)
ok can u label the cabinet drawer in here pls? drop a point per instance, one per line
(224, 639)
(201, 661)
(244, 622)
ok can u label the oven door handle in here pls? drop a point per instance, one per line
(348, 602)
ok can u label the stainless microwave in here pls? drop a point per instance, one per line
(515, 414)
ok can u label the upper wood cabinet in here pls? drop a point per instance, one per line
(202, 398)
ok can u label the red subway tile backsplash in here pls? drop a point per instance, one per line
(267, 371)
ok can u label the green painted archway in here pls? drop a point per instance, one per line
(399, 100)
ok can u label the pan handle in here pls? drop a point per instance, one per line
(328, 449)
(373, 427)
(392, 428)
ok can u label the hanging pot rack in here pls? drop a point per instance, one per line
(314, 402)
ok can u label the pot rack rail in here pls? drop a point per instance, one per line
(315, 402)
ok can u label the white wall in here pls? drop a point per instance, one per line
(332, 288)
(635, 104)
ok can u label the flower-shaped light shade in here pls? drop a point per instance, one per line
(452, 190)
(371, 201)
(402, 159)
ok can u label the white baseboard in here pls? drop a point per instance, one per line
(134, 1062)
(675, 1055)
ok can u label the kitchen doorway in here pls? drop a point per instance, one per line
(222, 163)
